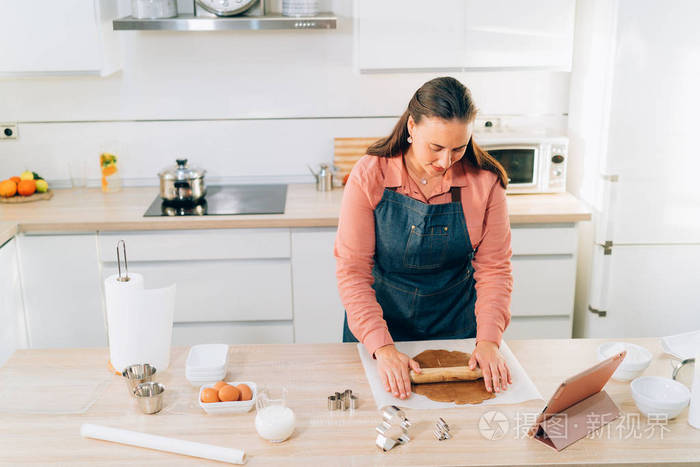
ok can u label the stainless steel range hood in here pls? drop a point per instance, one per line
(189, 22)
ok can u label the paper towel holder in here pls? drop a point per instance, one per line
(126, 277)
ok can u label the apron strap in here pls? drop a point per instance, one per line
(456, 194)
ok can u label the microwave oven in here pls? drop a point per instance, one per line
(533, 164)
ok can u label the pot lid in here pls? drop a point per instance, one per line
(181, 171)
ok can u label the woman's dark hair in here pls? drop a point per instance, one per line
(447, 99)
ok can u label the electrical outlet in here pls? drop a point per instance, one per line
(488, 124)
(8, 131)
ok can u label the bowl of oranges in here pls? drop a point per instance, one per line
(29, 186)
(228, 397)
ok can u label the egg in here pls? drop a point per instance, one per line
(210, 395)
(246, 393)
(229, 393)
(218, 385)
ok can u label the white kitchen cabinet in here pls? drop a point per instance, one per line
(544, 280)
(66, 37)
(318, 311)
(273, 285)
(454, 35)
(543, 285)
(234, 285)
(539, 327)
(523, 34)
(251, 332)
(12, 327)
(61, 290)
(408, 34)
(221, 290)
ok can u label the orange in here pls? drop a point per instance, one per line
(229, 393)
(8, 188)
(210, 395)
(109, 170)
(16, 179)
(26, 187)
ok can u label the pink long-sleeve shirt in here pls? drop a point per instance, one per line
(486, 215)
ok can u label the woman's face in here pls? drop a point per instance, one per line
(438, 143)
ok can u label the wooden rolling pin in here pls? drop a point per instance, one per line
(448, 373)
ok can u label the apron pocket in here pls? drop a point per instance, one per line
(426, 247)
(449, 312)
(397, 304)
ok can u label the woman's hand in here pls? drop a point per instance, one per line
(492, 364)
(393, 367)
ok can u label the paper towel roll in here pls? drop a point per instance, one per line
(694, 410)
(161, 443)
(139, 322)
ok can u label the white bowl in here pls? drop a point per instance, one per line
(657, 395)
(228, 407)
(636, 361)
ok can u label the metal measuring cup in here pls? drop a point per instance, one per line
(137, 374)
(150, 397)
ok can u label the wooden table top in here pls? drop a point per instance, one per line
(311, 372)
(91, 210)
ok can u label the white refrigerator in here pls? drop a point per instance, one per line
(633, 123)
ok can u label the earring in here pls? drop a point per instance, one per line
(409, 139)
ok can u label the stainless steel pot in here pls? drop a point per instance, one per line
(182, 184)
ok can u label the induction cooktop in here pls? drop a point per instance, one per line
(226, 200)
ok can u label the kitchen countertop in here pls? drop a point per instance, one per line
(311, 372)
(7, 231)
(92, 210)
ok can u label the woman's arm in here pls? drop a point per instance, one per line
(354, 253)
(494, 284)
(493, 270)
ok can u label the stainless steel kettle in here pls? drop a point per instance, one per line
(324, 178)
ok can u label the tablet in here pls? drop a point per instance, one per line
(579, 387)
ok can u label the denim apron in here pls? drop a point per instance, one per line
(423, 269)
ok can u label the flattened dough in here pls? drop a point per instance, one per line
(460, 392)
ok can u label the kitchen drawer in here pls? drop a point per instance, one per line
(222, 290)
(543, 285)
(539, 327)
(172, 245)
(545, 239)
(277, 332)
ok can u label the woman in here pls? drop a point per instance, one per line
(423, 245)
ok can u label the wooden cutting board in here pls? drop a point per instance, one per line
(347, 151)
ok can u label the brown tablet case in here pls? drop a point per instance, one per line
(578, 407)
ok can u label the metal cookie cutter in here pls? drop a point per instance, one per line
(394, 428)
(442, 430)
(350, 400)
(342, 401)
